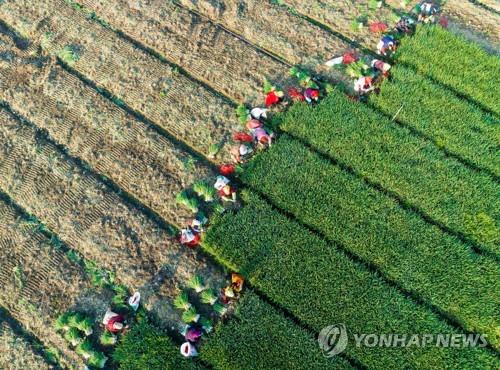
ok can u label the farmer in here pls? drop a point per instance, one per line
(311, 95)
(188, 350)
(426, 11)
(189, 237)
(224, 189)
(199, 222)
(230, 292)
(241, 152)
(386, 45)
(405, 26)
(192, 333)
(273, 97)
(258, 113)
(113, 321)
(380, 66)
(296, 94)
(134, 301)
(253, 124)
(243, 137)
(262, 137)
(364, 84)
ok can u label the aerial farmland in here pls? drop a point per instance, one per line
(267, 184)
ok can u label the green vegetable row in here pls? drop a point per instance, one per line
(454, 61)
(146, 347)
(411, 167)
(257, 336)
(260, 337)
(321, 286)
(450, 122)
(420, 257)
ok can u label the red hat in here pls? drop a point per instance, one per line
(227, 169)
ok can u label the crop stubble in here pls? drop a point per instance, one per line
(44, 282)
(116, 144)
(181, 106)
(92, 219)
(205, 50)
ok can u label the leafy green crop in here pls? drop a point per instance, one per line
(392, 157)
(321, 286)
(451, 122)
(145, 347)
(419, 256)
(454, 61)
(260, 337)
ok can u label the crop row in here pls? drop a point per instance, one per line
(16, 352)
(397, 242)
(454, 61)
(321, 286)
(205, 50)
(449, 121)
(272, 27)
(341, 16)
(259, 337)
(493, 4)
(91, 127)
(89, 217)
(158, 91)
(60, 107)
(406, 165)
(37, 280)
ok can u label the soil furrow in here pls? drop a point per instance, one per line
(180, 105)
(54, 288)
(90, 218)
(208, 52)
(117, 145)
(273, 28)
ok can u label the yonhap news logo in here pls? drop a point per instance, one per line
(334, 339)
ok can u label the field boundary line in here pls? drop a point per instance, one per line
(416, 132)
(484, 6)
(444, 86)
(233, 33)
(155, 54)
(373, 269)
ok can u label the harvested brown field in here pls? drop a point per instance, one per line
(38, 281)
(161, 93)
(16, 353)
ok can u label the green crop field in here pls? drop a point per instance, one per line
(358, 231)
(454, 62)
